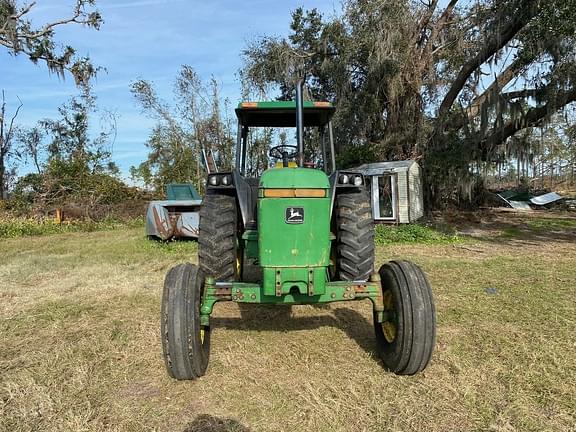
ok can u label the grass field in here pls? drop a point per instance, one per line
(80, 348)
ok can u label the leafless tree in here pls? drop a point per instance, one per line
(7, 134)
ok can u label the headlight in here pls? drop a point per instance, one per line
(226, 180)
(213, 181)
(344, 179)
(357, 180)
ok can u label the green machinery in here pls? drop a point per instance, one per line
(302, 233)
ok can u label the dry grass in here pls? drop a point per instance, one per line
(80, 349)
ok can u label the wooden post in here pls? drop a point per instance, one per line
(59, 216)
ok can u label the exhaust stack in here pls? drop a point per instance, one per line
(300, 122)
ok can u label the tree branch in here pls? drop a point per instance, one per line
(532, 118)
(489, 48)
(8, 137)
(489, 96)
(531, 92)
(18, 36)
(501, 80)
(17, 16)
(421, 28)
(24, 11)
(78, 12)
(2, 114)
(437, 28)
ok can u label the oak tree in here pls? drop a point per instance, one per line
(447, 85)
(20, 37)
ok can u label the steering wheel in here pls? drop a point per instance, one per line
(282, 151)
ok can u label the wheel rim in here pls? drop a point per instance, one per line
(238, 261)
(389, 325)
(203, 329)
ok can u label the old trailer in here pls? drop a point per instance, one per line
(175, 217)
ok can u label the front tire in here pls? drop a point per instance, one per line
(354, 236)
(407, 336)
(185, 343)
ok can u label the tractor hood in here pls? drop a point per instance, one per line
(294, 178)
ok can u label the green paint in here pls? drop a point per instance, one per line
(242, 292)
(283, 244)
(181, 191)
(250, 238)
(283, 280)
(293, 178)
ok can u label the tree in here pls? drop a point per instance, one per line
(187, 139)
(448, 86)
(72, 165)
(31, 146)
(7, 134)
(19, 36)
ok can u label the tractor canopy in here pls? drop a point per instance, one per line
(283, 113)
(297, 114)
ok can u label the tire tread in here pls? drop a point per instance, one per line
(412, 349)
(355, 236)
(185, 357)
(217, 237)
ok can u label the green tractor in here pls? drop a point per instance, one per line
(308, 232)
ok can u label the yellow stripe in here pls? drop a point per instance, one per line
(294, 193)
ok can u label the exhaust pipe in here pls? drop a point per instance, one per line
(300, 122)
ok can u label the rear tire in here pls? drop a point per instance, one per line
(185, 343)
(407, 336)
(355, 236)
(217, 238)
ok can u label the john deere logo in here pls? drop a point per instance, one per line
(295, 215)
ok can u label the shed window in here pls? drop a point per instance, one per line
(383, 191)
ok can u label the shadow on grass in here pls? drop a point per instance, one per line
(521, 235)
(208, 423)
(153, 238)
(517, 228)
(279, 318)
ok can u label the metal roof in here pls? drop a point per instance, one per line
(388, 166)
(546, 198)
(523, 199)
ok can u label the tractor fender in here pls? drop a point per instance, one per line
(244, 189)
(337, 187)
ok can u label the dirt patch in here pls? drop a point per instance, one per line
(506, 224)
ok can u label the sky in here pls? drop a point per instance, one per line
(148, 39)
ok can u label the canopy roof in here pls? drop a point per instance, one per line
(283, 113)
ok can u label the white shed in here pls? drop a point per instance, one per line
(396, 190)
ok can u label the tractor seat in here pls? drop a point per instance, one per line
(291, 164)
